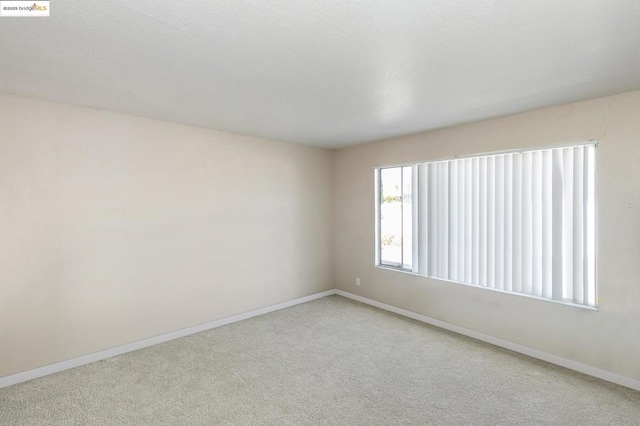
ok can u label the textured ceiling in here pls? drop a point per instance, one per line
(328, 73)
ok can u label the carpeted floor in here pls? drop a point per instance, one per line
(327, 362)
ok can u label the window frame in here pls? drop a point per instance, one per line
(420, 233)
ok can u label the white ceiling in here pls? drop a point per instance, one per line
(329, 73)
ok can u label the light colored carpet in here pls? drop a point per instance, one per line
(328, 362)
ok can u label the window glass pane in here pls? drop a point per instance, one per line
(391, 216)
(407, 217)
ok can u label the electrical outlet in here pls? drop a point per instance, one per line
(357, 281)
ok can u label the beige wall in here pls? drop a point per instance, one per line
(608, 339)
(116, 228)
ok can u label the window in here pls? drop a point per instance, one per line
(521, 222)
(396, 216)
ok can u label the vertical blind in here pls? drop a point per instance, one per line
(519, 222)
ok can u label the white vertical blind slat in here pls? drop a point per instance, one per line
(578, 225)
(438, 220)
(508, 223)
(500, 246)
(483, 221)
(537, 224)
(491, 222)
(567, 222)
(547, 224)
(461, 220)
(590, 227)
(433, 229)
(468, 234)
(475, 221)
(453, 222)
(527, 223)
(517, 224)
(444, 171)
(423, 212)
(557, 233)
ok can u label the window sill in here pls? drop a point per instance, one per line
(529, 296)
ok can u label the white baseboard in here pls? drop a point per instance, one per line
(553, 359)
(108, 353)
(119, 350)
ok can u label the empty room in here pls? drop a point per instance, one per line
(320, 212)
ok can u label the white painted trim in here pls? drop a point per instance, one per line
(553, 359)
(119, 350)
